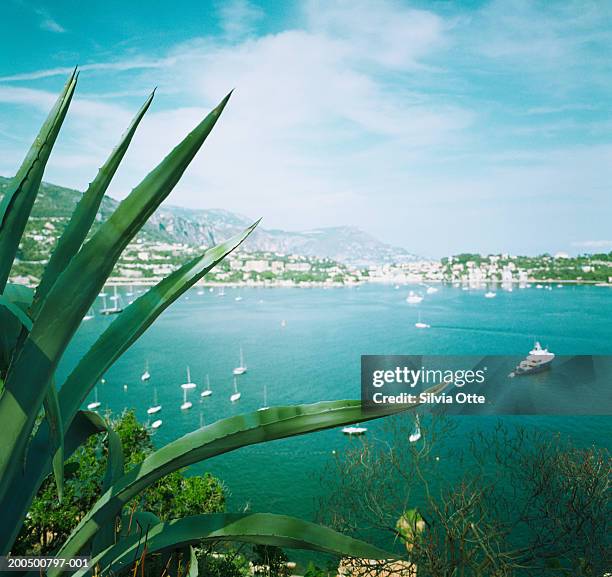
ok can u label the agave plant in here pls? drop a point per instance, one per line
(42, 424)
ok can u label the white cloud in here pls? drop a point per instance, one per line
(119, 66)
(305, 120)
(239, 18)
(384, 33)
(52, 26)
(48, 23)
(334, 122)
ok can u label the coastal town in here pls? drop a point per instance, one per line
(147, 260)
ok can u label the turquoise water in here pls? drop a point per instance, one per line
(316, 356)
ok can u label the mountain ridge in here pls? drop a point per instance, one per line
(171, 223)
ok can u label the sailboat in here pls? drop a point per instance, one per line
(188, 384)
(421, 325)
(200, 292)
(206, 392)
(236, 395)
(95, 403)
(146, 375)
(354, 430)
(186, 404)
(130, 292)
(155, 408)
(90, 315)
(221, 292)
(416, 434)
(431, 290)
(240, 369)
(106, 310)
(490, 295)
(265, 399)
(156, 424)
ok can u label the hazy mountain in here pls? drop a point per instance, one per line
(345, 244)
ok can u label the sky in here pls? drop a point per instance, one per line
(439, 126)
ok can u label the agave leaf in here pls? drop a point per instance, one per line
(85, 212)
(18, 200)
(257, 528)
(193, 563)
(135, 319)
(218, 438)
(13, 320)
(114, 471)
(54, 418)
(16, 311)
(74, 292)
(19, 295)
(38, 465)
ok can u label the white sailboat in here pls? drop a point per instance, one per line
(130, 292)
(416, 434)
(106, 310)
(188, 384)
(146, 375)
(238, 298)
(186, 404)
(90, 315)
(490, 295)
(235, 395)
(413, 298)
(221, 292)
(421, 325)
(354, 430)
(155, 408)
(240, 369)
(96, 403)
(208, 391)
(431, 290)
(265, 399)
(156, 424)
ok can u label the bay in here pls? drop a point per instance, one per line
(305, 345)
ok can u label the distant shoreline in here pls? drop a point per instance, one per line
(124, 282)
(317, 284)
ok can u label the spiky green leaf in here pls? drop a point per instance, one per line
(114, 471)
(220, 437)
(84, 424)
(193, 570)
(135, 319)
(74, 292)
(54, 419)
(256, 528)
(85, 212)
(18, 200)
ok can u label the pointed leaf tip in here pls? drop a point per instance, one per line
(219, 108)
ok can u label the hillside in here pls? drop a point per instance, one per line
(345, 244)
